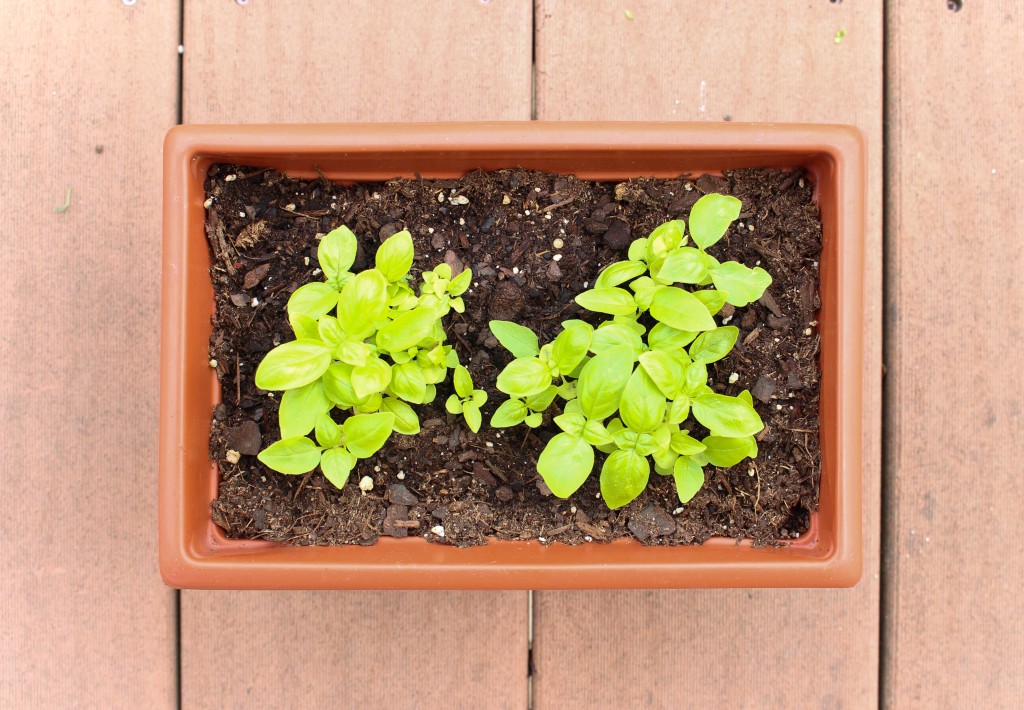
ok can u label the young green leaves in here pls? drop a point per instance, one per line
(627, 388)
(365, 344)
(466, 400)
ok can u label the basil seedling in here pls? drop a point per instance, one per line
(365, 344)
(627, 388)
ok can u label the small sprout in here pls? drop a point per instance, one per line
(466, 400)
(232, 456)
(63, 207)
(840, 33)
(629, 15)
(366, 484)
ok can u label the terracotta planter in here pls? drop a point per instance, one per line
(194, 552)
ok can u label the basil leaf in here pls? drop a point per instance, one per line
(509, 413)
(293, 364)
(685, 445)
(623, 477)
(300, 408)
(713, 345)
(408, 382)
(363, 303)
(725, 452)
(352, 353)
(726, 416)
(665, 238)
(665, 337)
(304, 327)
(534, 419)
(406, 421)
(571, 423)
(684, 265)
(313, 300)
(711, 216)
(328, 433)
(570, 347)
(602, 380)
(689, 478)
(678, 410)
(594, 432)
(395, 255)
(524, 376)
(565, 463)
(471, 413)
(337, 464)
(453, 405)
(294, 455)
(643, 405)
(371, 378)
(646, 444)
(681, 310)
(407, 330)
(366, 433)
(540, 402)
(620, 272)
(338, 385)
(638, 250)
(329, 330)
(665, 371)
(613, 301)
(696, 378)
(463, 382)
(613, 335)
(517, 339)
(460, 283)
(740, 284)
(337, 251)
(712, 299)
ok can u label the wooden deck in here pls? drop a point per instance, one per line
(86, 95)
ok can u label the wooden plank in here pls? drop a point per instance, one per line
(367, 60)
(354, 649)
(705, 62)
(86, 621)
(953, 604)
(358, 61)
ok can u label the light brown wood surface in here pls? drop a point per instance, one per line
(363, 60)
(84, 618)
(956, 328)
(706, 61)
(360, 61)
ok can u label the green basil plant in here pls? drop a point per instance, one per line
(629, 389)
(365, 344)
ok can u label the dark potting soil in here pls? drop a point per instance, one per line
(263, 230)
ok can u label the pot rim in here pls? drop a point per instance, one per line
(195, 553)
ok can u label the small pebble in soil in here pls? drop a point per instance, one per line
(398, 493)
(617, 236)
(808, 331)
(232, 456)
(245, 438)
(213, 363)
(558, 243)
(733, 378)
(366, 484)
(557, 257)
(438, 530)
(209, 203)
(401, 475)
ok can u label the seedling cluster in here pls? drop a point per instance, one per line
(630, 384)
(369, 345)
(382, 350)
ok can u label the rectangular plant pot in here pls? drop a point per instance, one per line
(195, 553)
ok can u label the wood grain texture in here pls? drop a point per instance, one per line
(365, 60)
(84, 618)
(956, 154)
(705, 62)
(357, 61)
(354, 650)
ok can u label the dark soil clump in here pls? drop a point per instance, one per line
(263, 231)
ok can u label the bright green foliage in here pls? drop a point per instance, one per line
(466, 400)
(368, 345)
(627, 388)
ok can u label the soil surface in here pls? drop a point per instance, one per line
(263, 229)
